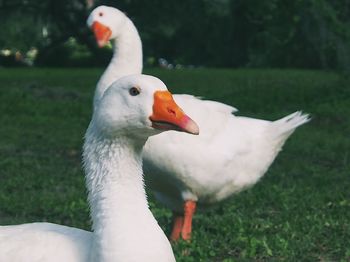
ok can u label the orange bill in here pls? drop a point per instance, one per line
(102, 33)
(167, 115)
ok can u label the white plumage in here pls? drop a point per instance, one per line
(124, 228)
(43, 242)
(230, 154)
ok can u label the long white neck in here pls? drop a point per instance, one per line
(124, 228)
(126, 60)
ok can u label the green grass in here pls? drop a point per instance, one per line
(300, 210)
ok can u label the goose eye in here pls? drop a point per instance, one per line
(134, 91)
(100, 14)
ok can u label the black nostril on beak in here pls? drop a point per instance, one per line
(171, 111)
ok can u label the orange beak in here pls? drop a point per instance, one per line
(167, 115)
(102, 33)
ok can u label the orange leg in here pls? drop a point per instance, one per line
(189, 209)
(178, 221)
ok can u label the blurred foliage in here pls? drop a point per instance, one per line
(226, 33)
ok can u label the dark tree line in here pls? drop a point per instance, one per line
(226, 33)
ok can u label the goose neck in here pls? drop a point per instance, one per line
(123, 225)
(126, 60)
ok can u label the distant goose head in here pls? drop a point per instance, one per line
(140, 105)
(106, 22)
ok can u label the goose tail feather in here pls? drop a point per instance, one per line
(285, 126)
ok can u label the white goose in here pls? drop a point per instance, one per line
(124, 229)
(231, 154)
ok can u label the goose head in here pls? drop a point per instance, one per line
(106, 22)
(140, 105)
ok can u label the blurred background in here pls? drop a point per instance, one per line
(215, 33)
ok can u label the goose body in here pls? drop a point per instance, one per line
(124, 229)
(44, 242)
(231, 153)
(228, 157)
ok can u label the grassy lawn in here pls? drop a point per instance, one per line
(300, 211)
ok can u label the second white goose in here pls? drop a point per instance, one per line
(231, 154)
